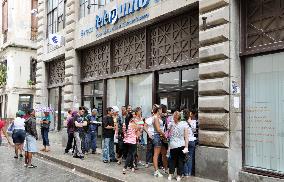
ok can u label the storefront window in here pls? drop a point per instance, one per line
(264, 113)
(169, 81)
(179, 88)
(116, 92)
(25, 102)
(140, 92)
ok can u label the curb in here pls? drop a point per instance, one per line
(80, 169)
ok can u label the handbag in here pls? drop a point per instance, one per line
(11, 128)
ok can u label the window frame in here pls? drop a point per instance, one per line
(54, 18)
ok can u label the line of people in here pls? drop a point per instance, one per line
(170, 138)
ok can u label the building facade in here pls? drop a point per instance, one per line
(187, 53)
(17, 56)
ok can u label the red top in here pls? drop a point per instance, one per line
(2, 124)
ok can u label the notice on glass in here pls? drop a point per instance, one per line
(237, 102)
(164, 101)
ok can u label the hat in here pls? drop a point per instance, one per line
(20, 113)
(94, 110)
(115, 109)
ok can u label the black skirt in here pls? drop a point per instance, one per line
(19, 136)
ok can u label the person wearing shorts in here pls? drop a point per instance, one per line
(19, 133)
(31, 138)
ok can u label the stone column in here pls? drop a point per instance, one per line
(72, 66)
(41, 96)
(219, 156)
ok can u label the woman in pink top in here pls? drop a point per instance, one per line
(130, 138)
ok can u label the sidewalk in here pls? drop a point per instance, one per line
(92, 165)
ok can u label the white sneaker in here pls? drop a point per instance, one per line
(178, 178)
(146, 165)
(170, 177)
(158, 174)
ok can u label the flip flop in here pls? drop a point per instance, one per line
(32, 166)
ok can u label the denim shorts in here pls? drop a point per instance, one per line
(157, 142)
(30, 144)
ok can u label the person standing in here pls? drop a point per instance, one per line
(116, 121)
(131, 131)
(191, 119)
(2, 130)
(79, 131)
(120, 136)
(70, 130)
(149, 128)
(85, 133)
(44, 125)
(178, 145)
(31, 138)
(108, 135)
(19, 133)
(93, 128)
(159, 136)
(140, 125)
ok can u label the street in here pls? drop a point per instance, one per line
(13, 170)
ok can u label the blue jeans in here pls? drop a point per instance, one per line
(92, 140)
(188, 166)
(44, 134)
(85, 142)
(108, 151)
(150, 150)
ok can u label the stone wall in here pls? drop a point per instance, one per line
(41, 75)
(219, 156)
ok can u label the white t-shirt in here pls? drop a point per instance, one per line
(19, 123)
(149, 122)
(191, 130)
(177, 134)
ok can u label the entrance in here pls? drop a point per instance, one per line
(93, 98)
(55, 102)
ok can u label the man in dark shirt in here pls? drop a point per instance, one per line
(108, 135)
(78, 133)
(31, 137)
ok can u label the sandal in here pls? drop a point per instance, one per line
(32, 166)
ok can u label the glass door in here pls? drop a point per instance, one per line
(55, 102)
(93, 98)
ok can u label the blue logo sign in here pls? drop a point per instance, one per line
(54, 39)
(121, 11)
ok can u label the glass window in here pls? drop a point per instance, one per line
(264, 112)
(189, 77)
(179, 88)
(89, 89)
(169, 81)
(25, 102)
(116, 92)
(140, 92)
(55, 16)
(53, 103)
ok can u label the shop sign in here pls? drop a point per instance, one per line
(123, 10)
